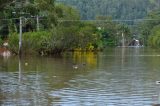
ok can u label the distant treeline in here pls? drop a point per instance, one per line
(117, 9)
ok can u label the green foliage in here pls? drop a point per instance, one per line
(147, 28)
(154, 39)
(67, 12)
(4, 3)
(27, 9)
(118, 9)
(85, 37)
(48, 10)
(68, 36)
(57, 40)
(61, 30)
(37, 42)
(32, 42)
(13, 43)
(111, 32)
(81, 36)
(69, 16)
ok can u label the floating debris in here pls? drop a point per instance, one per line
(75, 66)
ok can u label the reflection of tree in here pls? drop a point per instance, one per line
(123, 57)
(19, 69)
(89, 58)
(4, 64)
(43, 74)
(60, 70)
(158, 94)
(2, 97)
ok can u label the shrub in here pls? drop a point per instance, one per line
(57, 40)
(13, 43)
(37, 42)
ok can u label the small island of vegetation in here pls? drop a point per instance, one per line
(57, 29)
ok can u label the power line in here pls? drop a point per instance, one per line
(114, 20)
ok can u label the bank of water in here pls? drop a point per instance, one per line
(115, 77)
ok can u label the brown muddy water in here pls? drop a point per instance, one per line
(114, 77)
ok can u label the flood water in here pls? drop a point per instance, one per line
(114, 77)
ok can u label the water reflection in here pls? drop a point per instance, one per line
(116, 77)
(30, 83)
(123, 56)
(89, 58)
(19, 69)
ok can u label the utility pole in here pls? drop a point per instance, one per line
(123, 40)
(37, 18)
(20, 36)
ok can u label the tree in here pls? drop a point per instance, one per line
(111, 31)
(147, 26)
(4, 3)
(154, 38)
(118, 9)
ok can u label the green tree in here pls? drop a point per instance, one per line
(4, 3)
(118, 9)
(111, 31)
(147, 26)
(154, 38)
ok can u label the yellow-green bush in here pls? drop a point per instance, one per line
(154, 39)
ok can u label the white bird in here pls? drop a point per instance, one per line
(157, 82)
(75, 66)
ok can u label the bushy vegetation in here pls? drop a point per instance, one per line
(33, 42)
(13, 43)
(154, 38)
(111, 32)
(60, 29)
(150, 30)
(118, 9)
(56, 41)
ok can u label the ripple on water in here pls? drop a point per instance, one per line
(121, 80)
(86, 90)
